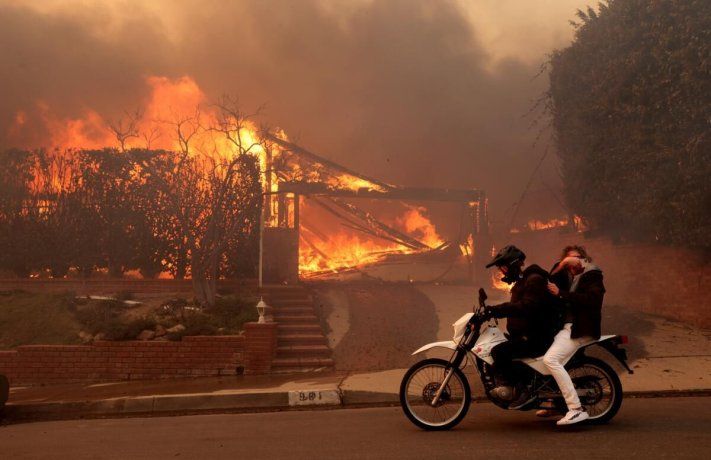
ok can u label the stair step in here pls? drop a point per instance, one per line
(302, 362)
(293, 310)
(310, 316)
(296, 319)
(299, 329)
(301, 339)
(303, 351)
(302, 370)
(289, 302)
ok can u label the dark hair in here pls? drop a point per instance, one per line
(579, 249)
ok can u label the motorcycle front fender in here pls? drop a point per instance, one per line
(446, 344)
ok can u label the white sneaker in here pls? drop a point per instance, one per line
(573, 416)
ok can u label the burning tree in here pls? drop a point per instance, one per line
(228, 197)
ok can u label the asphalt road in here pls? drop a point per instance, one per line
(644, 428)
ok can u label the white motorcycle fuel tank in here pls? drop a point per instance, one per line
(489, 338)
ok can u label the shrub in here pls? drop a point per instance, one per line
(630, 105)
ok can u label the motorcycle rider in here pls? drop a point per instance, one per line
(582, 317)
(531, 314)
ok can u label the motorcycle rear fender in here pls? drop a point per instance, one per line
(449, 344)
(608, 342)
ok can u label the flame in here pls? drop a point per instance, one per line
(467, 248)
(88, 132)
(344, 251)
(415, 223)
(345, 248)
(578, 223)
(498, 284)
(176, 116)
(534, 225)
(496, 276)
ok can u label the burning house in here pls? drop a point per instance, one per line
(317, 225)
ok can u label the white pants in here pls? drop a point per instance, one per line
(562, 349)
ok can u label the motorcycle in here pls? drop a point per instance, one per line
(435, 394)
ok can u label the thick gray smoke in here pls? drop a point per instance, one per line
(398, 89)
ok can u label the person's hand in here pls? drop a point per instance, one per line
(553, 289)
(567, 263)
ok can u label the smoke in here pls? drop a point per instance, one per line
(402, 90)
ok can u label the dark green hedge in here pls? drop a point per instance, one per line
(631, 105)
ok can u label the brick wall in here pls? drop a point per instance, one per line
(671, 282)
(113, 286)
(105, 360)
(261, 344)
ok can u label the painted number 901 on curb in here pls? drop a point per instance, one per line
(314, 397)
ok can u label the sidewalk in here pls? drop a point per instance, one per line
(662, 376)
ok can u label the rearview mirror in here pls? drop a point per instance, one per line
(482, 297)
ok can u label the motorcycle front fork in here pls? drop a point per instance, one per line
(454, 363)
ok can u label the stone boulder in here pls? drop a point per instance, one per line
(178, 328)
(146, 334)
(160, 331)
(86, 337)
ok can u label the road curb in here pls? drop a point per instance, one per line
(361, 398)
(171, 404)
(181, 404)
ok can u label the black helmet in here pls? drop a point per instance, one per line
(507, 256)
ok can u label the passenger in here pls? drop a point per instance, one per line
(582, 307)
(531, 316)
(563, 279)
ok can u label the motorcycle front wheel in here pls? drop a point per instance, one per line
(418, 388)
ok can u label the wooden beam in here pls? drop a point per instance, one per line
(324, 161)
(405, 193)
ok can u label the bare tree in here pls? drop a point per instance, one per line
(151, 135)
(224, 184)
(126, 127)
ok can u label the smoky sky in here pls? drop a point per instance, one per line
(401, 90)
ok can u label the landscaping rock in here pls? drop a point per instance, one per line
(160, 331)
(86, 337)
(176, 329)
(146, 335)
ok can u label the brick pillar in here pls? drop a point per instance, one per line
(260, 347)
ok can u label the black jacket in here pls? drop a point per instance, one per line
(531, 312)
(585, 304)
(562, 279)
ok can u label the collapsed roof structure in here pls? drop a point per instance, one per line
(294, 174)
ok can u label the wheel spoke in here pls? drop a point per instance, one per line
(421, 388)
(592, 378)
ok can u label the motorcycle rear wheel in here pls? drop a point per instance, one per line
(418, 387)
(604, 384)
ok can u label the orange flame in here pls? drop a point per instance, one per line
(415, 223)
(347, 249)
(498, 284)
(534, 225)
(176, 117)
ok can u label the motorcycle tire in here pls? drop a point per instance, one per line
(615, 388)
(466, 396)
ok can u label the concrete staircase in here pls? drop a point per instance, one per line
(301, 343)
